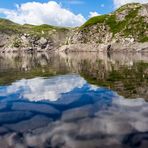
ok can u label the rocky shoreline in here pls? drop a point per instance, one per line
(44, 45)
(115, 47)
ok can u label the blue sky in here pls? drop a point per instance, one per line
(57, 12)
(100, 6)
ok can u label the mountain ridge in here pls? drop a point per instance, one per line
(125, 29)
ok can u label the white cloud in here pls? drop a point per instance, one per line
(92, 14)
(119, 3)
(37, 13)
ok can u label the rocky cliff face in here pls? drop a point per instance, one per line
(15, 37)
(124, 29)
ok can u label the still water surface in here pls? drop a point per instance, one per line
(77, 100)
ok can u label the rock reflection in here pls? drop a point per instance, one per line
(126, 74)
(20, 66)
(37, 110)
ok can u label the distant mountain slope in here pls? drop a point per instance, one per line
(29, 37)
(127, 25)
(130, 20)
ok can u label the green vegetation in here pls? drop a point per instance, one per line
(144, 38)
(132, 25)
(6, 22)
(45, 27)
(9, 27)
(95, 20)
(17, 43)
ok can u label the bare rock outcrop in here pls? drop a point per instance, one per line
(126, 29)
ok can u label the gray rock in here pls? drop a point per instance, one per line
(144, 10)
(42, 41)
(121, 16)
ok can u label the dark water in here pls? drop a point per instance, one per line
(77, 100)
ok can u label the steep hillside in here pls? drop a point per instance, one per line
(14, 37)
(125, 28)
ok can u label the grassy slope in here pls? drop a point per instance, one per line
(10, 27)
(132, 24)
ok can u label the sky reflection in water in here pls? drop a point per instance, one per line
(66, 111)
(38, 89)
(39, 109)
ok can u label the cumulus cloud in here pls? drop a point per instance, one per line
(92, 14)
(119, 3)
(37, 13)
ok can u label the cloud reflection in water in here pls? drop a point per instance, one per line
(88, 116)
(38, 89)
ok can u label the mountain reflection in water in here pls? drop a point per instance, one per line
(52, 101)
